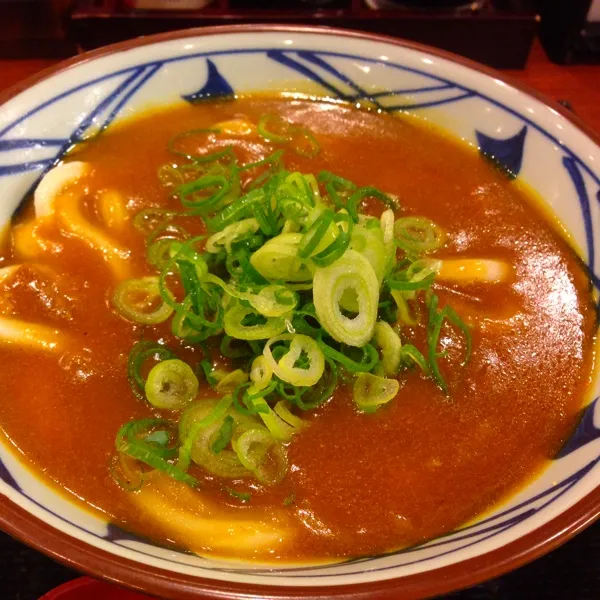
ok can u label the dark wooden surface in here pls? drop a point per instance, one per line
(579, 84)
(570, 573)
(482, 34)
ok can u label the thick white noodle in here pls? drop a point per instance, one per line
(53, 183)
(475, 270)
(15, 332)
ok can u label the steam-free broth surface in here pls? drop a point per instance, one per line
(421, 465)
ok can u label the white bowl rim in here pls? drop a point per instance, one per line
(75, 553)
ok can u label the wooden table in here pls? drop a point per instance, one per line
(580, 85)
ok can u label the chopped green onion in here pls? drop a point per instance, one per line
(338, 188)
(275, 129)
(289, 281)
(370, 391)
(286, 367)
(130, 441)
(410, 355)
(241, 208)
(419, 275)
(171, 384)
(158, 243)
(231, 381)
(436, 320)
(159, 252)
(368, 361)
(327, 238)
(305, 321)
(170, 175)
(199, 428)
(223, 436)
(208, 370)
(282, 410)
(405, 317)
(397, 281)
(312, 397)
(126, 472)
(354, 273)
(304, 143)
(270, 301)
(243, 496)
(273, 160)
(160, 438)
(139, 430)
(223, 240)
(278, 428)
(387, 229)
(320, 234)
(247, 405)
(191, 195)
(139, 354)
(185, 252)
(340, 244)
(367, 192)
(140, 301)
(391, 347)
(261, 372)
(368, 240)
(262, 454)
(278, 259)
(307, 398)
(423, 268)
(232, 348)
(260, 327)
(146, 455)
(418, 235)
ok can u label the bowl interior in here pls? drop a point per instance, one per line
(530, 138)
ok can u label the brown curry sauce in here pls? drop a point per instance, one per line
(362, 484)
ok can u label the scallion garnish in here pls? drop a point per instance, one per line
(132, 441)
(171, 384)
(140, 300)
(371, 391)
(297, 286)
(436, 320)
(243, 496)
(139, 355)
(223, 436)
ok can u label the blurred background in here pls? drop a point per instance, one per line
(497, 32)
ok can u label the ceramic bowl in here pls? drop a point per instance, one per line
(547, 147)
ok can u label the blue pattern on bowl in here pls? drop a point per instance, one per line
(216, 86)
(317, 67)
(507, 153)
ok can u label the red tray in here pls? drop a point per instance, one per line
(86, 588)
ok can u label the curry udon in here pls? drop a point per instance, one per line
(288, 330)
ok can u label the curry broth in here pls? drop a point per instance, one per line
(362, 484)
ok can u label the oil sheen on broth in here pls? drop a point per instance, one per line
(357, 483)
